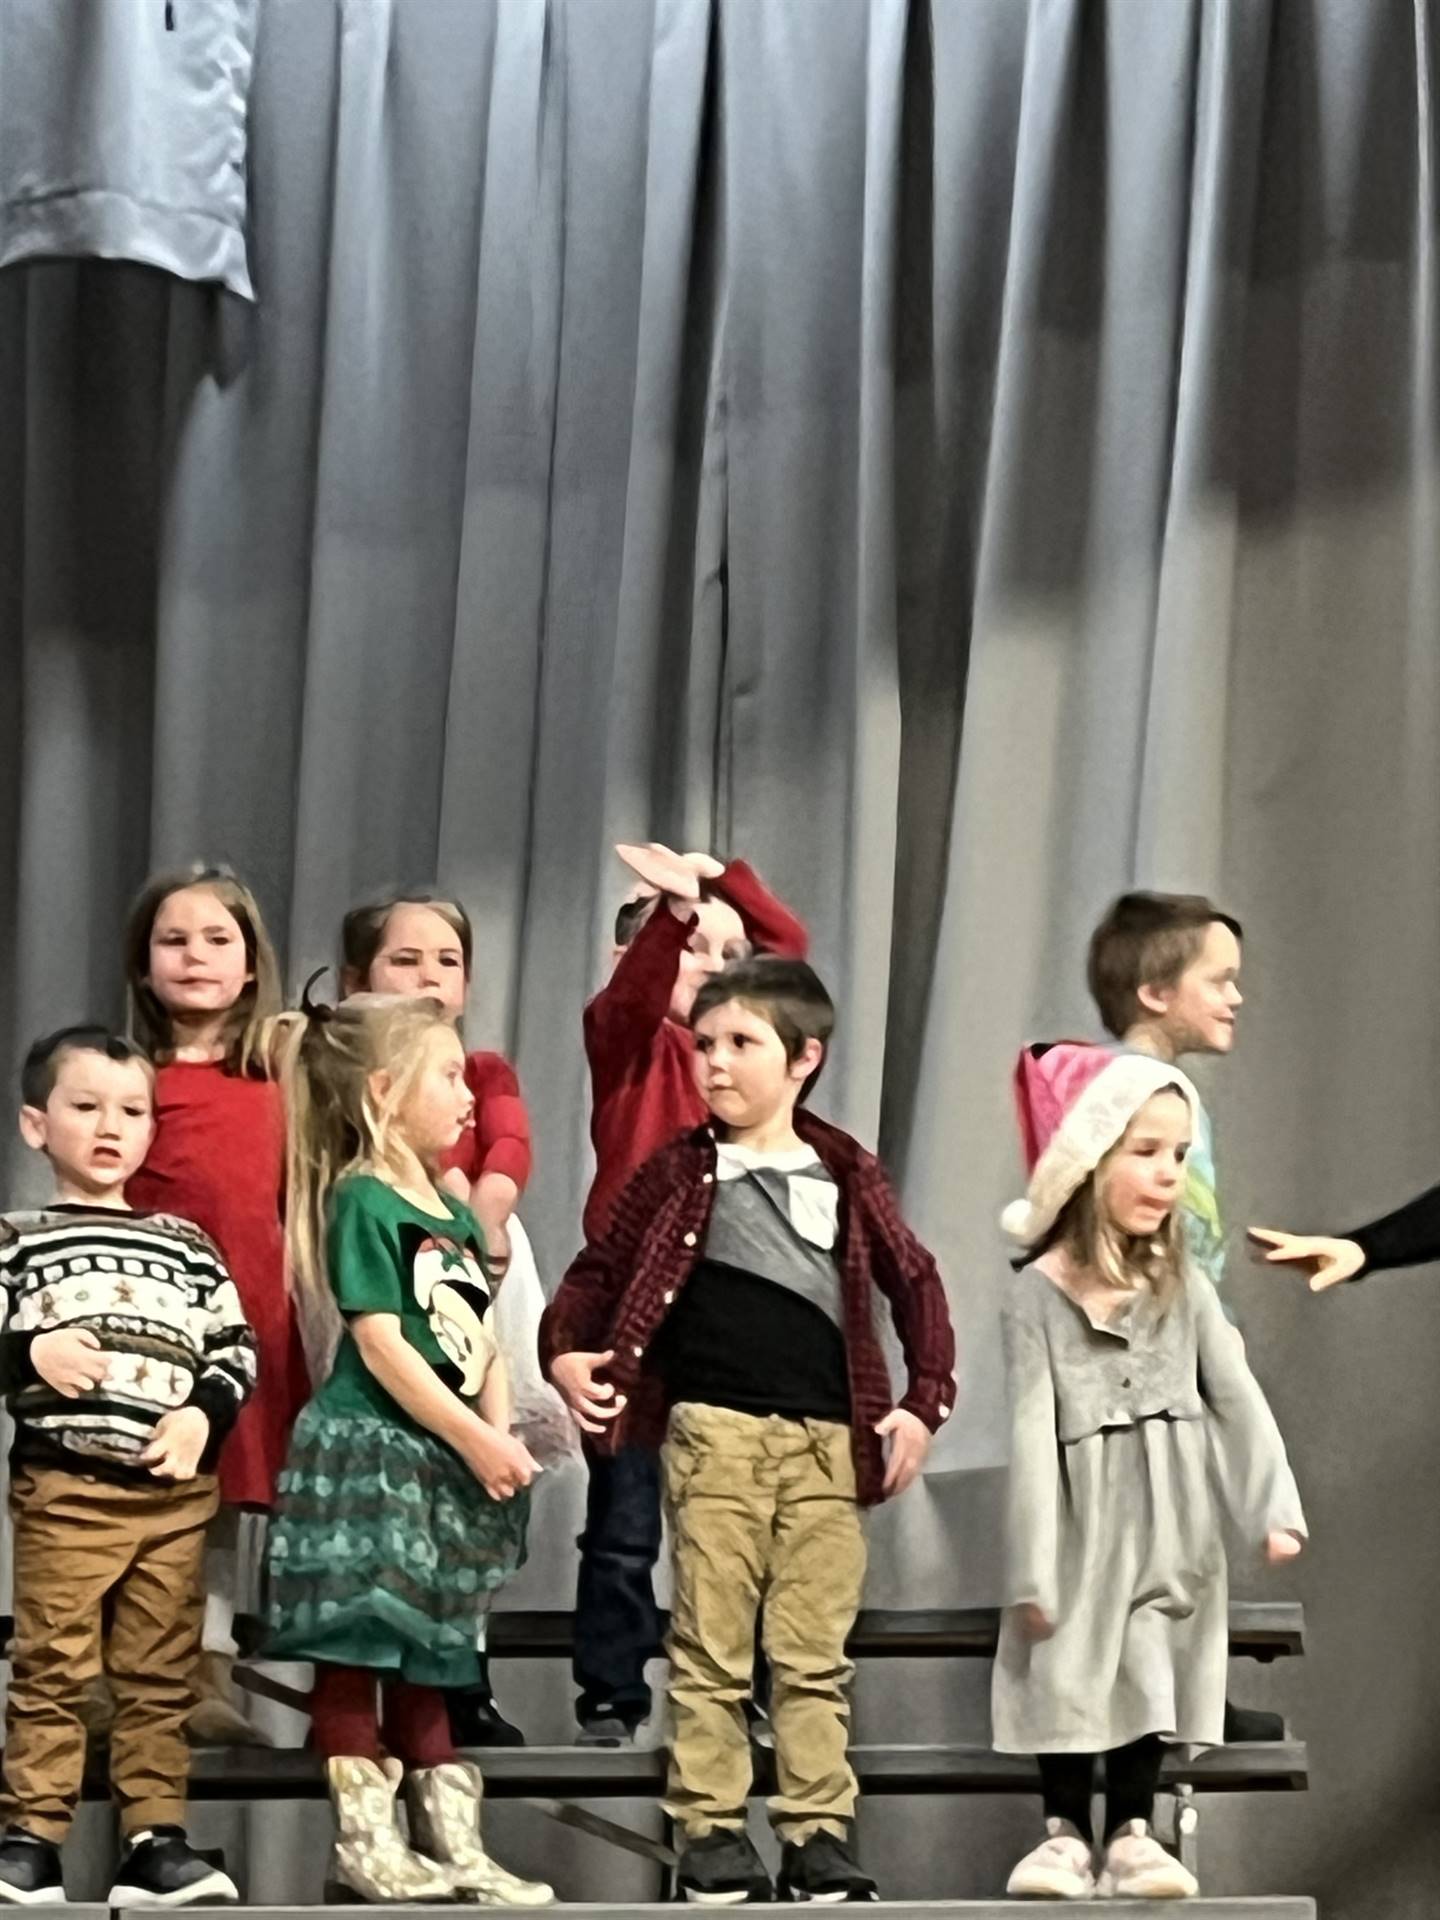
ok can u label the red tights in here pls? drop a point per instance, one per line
(345, 1718)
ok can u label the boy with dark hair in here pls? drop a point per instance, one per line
(690, 916)
(727, 1312)
(125, 1355)
(1164, 971)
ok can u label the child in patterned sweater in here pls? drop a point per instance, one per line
(125, 1356)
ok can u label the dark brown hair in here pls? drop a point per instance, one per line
(789, 994)
(42, 1062)
(362, 933)
(1146, 940)
(260, 997)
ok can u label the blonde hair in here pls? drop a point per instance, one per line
(260, 998)
(326, 1058)
(1130, 1261)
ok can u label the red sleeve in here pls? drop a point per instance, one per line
(771, 927)
(502, 1125)
(582, 1314)
(629, 1010)
(907, 1275)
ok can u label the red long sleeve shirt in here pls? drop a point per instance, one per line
(497, 1140)
(642, 1076)
(619, 1291)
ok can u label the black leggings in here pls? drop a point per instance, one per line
(1131, 1776)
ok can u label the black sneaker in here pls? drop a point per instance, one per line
(823, 1870)
(29, 1870)
(476, 1721)
(604, 1725)
(160, 1868)
(1246, 1724)
(723, 1870)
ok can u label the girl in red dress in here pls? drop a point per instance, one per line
(412, 944)
(202, 981)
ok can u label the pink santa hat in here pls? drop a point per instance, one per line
(1074, 1102)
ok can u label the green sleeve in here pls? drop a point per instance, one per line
(362, 1253)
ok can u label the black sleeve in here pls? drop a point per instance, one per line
(17, 1369)
(1409, 1237)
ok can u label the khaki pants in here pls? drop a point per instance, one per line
(762, 1512)
(87, 1549)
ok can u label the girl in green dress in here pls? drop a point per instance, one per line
(404, 1494)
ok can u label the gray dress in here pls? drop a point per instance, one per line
(1133, 1440)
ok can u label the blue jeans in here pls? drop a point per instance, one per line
(617, 1624)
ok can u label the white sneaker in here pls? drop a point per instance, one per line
(1137, 1867)
(1058, 1869)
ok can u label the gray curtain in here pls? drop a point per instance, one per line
(965, 458)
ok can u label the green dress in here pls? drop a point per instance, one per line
(384, 1542)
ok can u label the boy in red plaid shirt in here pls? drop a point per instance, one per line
(727, 1311)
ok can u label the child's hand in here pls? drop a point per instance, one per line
(177, 1444)
(591, 1404)
(703, 865)
(909, 1439)
(1035, 1623)
(501, 1463)
(1281, 1544)
(1326, 1261)
(70, 1359)
(668, 873)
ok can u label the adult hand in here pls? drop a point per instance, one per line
(908, 1443)
(501, 1463)
(70, 1359)
(177, 1444)
(592, 1403)
(1326, 1261)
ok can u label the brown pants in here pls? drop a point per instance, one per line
(87, 1548)
(761, 1510)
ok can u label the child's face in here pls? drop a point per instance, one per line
(718, 939)
(97, 1124)
(741, 1067)
(420, 953)
(438, 1106)
(1197, 1014)
(1142, 1178)
(197, 955)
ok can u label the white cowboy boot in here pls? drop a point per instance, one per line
(444, 1806)
(370, 1860)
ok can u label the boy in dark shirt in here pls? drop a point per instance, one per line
(727, 1310)
(694, 916)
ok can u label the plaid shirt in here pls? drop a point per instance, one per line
(619, 1290)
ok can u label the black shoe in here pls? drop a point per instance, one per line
(1244, 1725)
(159, 1868)
(29, 1870)
(476, 1721)
(723, 1870)
(822, 1870)
(603, 1724)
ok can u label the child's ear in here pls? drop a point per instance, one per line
(1153, 999)
(32, 1128)
(380, 1084)
(807, 1060)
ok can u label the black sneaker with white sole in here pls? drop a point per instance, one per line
(29, 1870)
(160, 1868)
(723, 1870)
(822, 1869)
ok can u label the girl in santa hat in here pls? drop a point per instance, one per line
(1136, 1428)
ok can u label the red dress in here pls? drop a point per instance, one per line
(497, 1139)
(219, 1159)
